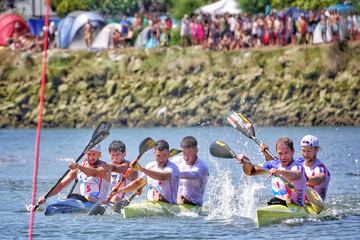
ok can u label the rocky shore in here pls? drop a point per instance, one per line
(294, 86)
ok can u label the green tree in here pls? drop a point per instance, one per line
(253, 6)
(116, 7)
(63, 7)
(308, 4)
(182, 7)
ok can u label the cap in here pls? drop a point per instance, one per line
(97, 148)
(310, 141)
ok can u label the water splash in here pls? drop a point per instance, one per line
(228, 200)
(66, 159)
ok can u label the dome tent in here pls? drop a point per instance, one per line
(9, 23)
(70, 31)
(103, 39)
(220, 7)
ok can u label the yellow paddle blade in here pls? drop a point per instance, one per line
(315, 200)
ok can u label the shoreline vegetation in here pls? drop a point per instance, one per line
(291, 86)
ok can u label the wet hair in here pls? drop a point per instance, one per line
(188, 142)
(117, 146)
(162, 145)
(286, 141)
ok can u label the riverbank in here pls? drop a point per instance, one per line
(293, 86)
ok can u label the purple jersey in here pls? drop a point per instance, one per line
(280, 190)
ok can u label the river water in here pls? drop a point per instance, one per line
(231, 197)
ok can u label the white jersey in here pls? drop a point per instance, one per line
(281, 191)
(93, 186)
(316, 168)
(115, 179)
(167, 188)
(193, 179)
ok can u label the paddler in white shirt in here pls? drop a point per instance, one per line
(93, 175)
(318, 176)
(161, 175)
(286, 167)
(118, 167)
(193, 173)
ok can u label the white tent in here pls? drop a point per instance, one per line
(103, 39)
(220, 7)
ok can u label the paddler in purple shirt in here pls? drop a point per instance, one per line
(318, 176)
(287, 168)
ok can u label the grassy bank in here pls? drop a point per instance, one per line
(296, 86)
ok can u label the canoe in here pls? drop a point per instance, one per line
(276, 213)
(62, 206)
(160, 209)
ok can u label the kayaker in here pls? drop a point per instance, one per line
(161, 175)
(118, 167)
(318, 176)
(193, 173)
(93, 175)
(287, 168)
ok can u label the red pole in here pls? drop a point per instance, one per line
(39, 125)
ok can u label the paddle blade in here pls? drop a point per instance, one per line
(174, 152)
(315, 200)
(221, 150)
(96, 140)
(97, 209)
(241, 123)
(120, 205)
(147, 144)
(103, 126)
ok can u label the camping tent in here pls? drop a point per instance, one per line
(142, 38)
(341, 8)
(103, 39)
(71, 32)
(36, 25)
(220, 7)
(295, 12)
(9, 23)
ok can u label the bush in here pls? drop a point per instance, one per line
(175, 36)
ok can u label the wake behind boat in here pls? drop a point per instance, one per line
(160, 209)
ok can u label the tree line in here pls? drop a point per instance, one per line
(178, 8)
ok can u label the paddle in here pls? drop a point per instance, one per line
(123, 203)
(102, 126)
(243, 125)
(102, 132)
(100, 207)
(222, 150)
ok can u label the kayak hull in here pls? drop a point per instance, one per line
(159, 209)
(275, 213)
(65, 206)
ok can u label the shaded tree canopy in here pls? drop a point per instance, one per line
(180, 7)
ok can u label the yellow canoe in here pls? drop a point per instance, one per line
(159, 209)
(276, 213)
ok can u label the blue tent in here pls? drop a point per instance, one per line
(36, 25)
(295, 12)
(70, 32)
(341, 8)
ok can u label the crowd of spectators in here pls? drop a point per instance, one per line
(158, 33)
(277, 29)
(25, 41)
(219, 32)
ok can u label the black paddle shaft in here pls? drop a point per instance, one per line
(97, 139)
(103, 126)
